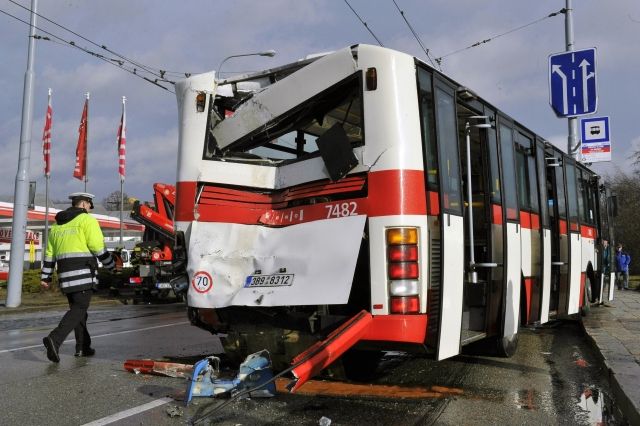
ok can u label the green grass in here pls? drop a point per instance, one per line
(34, 295)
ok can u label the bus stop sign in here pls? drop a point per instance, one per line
(572, 83)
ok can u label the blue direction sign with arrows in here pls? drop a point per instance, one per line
(572, 83)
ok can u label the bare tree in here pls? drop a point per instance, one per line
(626, 187)
(112, 201)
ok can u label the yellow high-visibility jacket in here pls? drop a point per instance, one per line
(74, 243)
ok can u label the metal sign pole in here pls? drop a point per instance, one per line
(20, 200)
(573, 144)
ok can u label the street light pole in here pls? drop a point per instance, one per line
(21, 194)
(271, 53)
(573, 144)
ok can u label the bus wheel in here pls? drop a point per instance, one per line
(507, 346)
(586, 304)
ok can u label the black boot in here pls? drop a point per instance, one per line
(52, 349)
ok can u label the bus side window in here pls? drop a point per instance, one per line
(508, 172)
(448, 150)
(427, 122)
(572, 194)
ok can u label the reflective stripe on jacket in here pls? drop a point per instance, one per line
(74, 243)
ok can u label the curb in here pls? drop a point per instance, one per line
(624, 376)
(30, 309)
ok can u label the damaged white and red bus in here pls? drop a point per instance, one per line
(365, 190)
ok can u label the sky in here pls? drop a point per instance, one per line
(194, 36)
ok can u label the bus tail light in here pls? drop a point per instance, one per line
(405, 304)
(403, 270)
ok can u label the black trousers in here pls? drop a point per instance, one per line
(75, 319)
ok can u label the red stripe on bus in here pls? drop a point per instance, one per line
(395, 192)
(433, 208)
(398, 328)
(574, 226)
(583, 280)
(588, 232)
(391, 192)
(535, 221)
(525, 219)
(528, 290)
(562, 225)
(496, 213)
(185, 197)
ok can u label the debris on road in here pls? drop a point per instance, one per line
(149, 366)
(254, 372)
(324, 421)
(174, 411)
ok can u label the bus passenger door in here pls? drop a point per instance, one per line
(575, 244)
(451, 223)
(512, 248)
(559, 291)
(545, 232)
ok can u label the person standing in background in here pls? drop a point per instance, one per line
(622, 263)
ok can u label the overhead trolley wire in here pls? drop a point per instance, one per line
(364, 23)
(115, 62)
(476, 44)
(155, 71)
(425, 50)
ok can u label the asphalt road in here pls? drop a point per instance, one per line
(554, 378)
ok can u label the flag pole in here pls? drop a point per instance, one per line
(46, 191)
(86, 152)
(122, 134)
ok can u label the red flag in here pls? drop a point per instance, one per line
(80, 170)
(122, 142)
(46, 139)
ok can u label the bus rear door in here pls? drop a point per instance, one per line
(512, 237)
(451, 222)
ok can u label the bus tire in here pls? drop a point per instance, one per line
(506, 346)
(586, 304)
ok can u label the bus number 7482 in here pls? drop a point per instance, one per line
(342, 209)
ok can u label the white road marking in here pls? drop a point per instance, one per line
(130, 412)
(98, 336)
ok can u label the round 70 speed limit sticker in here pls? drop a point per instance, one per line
(202, 282)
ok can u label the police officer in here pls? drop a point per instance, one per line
(75, 240)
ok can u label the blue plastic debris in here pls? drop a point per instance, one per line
(254, 371)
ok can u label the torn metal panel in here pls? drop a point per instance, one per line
(284, 95)
(249, 265)
(337, 152)
(254, 373)
(322, 354)
(269, 177)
